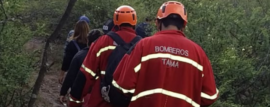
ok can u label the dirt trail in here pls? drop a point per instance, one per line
(49, 92)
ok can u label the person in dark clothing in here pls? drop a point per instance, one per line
(77, 62)
(79, 41)
(144, 29)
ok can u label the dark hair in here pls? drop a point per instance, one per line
(148, 19)
(93, 35)
(127, 25)
(173, 19)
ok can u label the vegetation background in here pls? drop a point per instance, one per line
(234, 34)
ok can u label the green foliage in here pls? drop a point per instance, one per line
(235, 38)
(234, 34)
(16, 65)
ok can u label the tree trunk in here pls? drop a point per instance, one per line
(43, 67)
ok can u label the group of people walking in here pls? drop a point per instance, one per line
(123, 65)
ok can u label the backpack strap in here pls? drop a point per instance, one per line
(116, 38)
(135, 40)
(77, 46)
(133, 43)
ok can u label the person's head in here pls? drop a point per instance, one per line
(125, 16)
(148, 19)
(108, 26)
(84, 18)
(171, 15)
(93, 35)
(81, 32)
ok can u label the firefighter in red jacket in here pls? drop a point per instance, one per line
(96, 60)
(167, 69)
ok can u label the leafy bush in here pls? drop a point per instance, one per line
(15, 66)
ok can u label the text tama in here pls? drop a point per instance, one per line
(170, 63)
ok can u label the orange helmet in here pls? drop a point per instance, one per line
(125, 14)
(172, 7)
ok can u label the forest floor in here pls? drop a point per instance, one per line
(50, 89)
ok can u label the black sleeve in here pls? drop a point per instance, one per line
(70, 51)
(78, 86)
(71, 74)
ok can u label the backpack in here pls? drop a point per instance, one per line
(108, 26)
(110, 93)
(68, 36)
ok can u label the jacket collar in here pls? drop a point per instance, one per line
(174, 32)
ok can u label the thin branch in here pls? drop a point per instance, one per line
(6, 17)
(11, 99)
(3, 9)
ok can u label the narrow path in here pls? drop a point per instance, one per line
(49, 92)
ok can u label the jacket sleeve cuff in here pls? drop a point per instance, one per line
(74, 102)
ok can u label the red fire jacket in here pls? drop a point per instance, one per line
(95, 62)
(167, 70)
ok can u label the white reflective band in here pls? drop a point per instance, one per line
(88, 70)
(102, 72)
(206, 96)
(168, 93)
(70, 99)
(137, 68)
(124, 90)
(105, 49)
(173, 57)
